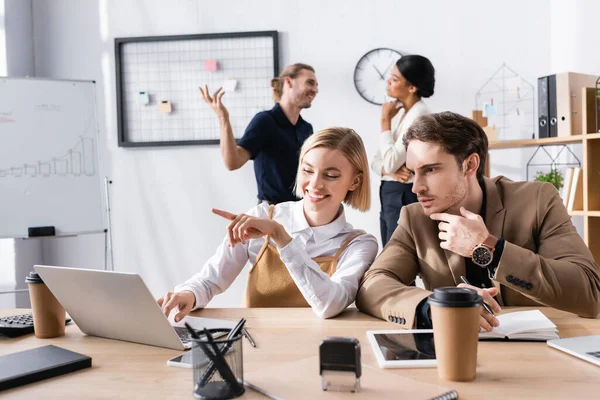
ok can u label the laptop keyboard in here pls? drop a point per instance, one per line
(594, 354)
(183, 334)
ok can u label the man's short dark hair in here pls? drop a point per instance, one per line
(457, 135)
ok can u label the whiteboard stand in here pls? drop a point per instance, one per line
(108, 232)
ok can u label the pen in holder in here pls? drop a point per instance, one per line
(221, 377)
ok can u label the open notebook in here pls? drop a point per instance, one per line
(522, 325)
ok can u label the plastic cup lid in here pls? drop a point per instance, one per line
(455, 297)
(33, 277)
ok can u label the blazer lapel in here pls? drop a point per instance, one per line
(494, 220)
(456, 262)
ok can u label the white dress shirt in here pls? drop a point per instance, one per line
(391, 154)
(328, 296)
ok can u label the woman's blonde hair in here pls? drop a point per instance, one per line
(351, 145)
(292, 72)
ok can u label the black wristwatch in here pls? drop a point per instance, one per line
(483, 254)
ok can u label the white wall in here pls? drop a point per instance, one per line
(161, 198)
(574, 36)
(19, 37)
(16, 59)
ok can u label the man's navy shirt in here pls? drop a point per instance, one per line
(274, 145)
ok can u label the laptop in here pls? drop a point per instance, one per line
(584, 347)
(118, 305)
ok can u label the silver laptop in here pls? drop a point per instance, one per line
(118, 305)
(584, 347)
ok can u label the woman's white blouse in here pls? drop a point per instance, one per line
(328, 296)
(391, 154)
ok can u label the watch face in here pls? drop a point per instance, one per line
(482, 256)
(372, 72)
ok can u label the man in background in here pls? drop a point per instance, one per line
(273, 138)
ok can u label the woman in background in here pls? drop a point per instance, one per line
(302, 253)
(412, 78)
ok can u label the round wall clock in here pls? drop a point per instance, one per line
(372, 72)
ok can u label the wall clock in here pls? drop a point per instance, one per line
(372, 72)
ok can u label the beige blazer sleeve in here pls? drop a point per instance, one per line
(554, 267)
(385, 292)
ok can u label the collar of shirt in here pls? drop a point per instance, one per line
(299, 224)
(282, 120)
(482, 212)
(407, 118)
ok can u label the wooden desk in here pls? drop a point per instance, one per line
(128, 370)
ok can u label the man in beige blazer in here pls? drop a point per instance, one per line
(513, 241)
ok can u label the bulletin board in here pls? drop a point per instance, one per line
(158, 80)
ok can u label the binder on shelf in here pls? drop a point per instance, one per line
(552, 106)
(561, 104)
(569, 103)
(543, 110)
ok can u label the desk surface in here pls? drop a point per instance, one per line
(128, 370)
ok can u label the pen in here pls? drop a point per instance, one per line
(487, 308)
(245, 333)
(191, 330)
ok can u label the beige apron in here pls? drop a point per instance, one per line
(270, 283)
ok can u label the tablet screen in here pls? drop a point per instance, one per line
(406, 346)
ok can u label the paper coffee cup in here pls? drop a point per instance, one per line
(48, 313)
(455, 316)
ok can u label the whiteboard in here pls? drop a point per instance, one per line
(49, 164)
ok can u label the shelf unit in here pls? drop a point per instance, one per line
(590, 165)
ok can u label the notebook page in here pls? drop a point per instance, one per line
(523, 321)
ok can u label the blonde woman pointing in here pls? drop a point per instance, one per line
(303, 253)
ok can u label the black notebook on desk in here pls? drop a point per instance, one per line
(33, 365)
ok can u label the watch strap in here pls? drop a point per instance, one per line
(490, 242)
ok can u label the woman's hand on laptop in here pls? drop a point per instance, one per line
(183, 301)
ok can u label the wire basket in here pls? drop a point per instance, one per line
(217, 380)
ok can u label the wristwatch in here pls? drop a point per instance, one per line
(483, 254)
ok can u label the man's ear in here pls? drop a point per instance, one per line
(356, 182)
(471, 164)
(288, 82)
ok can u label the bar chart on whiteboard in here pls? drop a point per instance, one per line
(76, 161)
(49, 157)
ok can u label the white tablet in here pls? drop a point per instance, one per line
(403, 348)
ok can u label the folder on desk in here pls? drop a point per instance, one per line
(33, 365)
(301, 380)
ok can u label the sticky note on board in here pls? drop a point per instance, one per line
(165, 106)
(489, 110)
(230, 85)
(143, 98)
(210, 65)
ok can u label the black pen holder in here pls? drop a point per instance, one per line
(218, 380)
